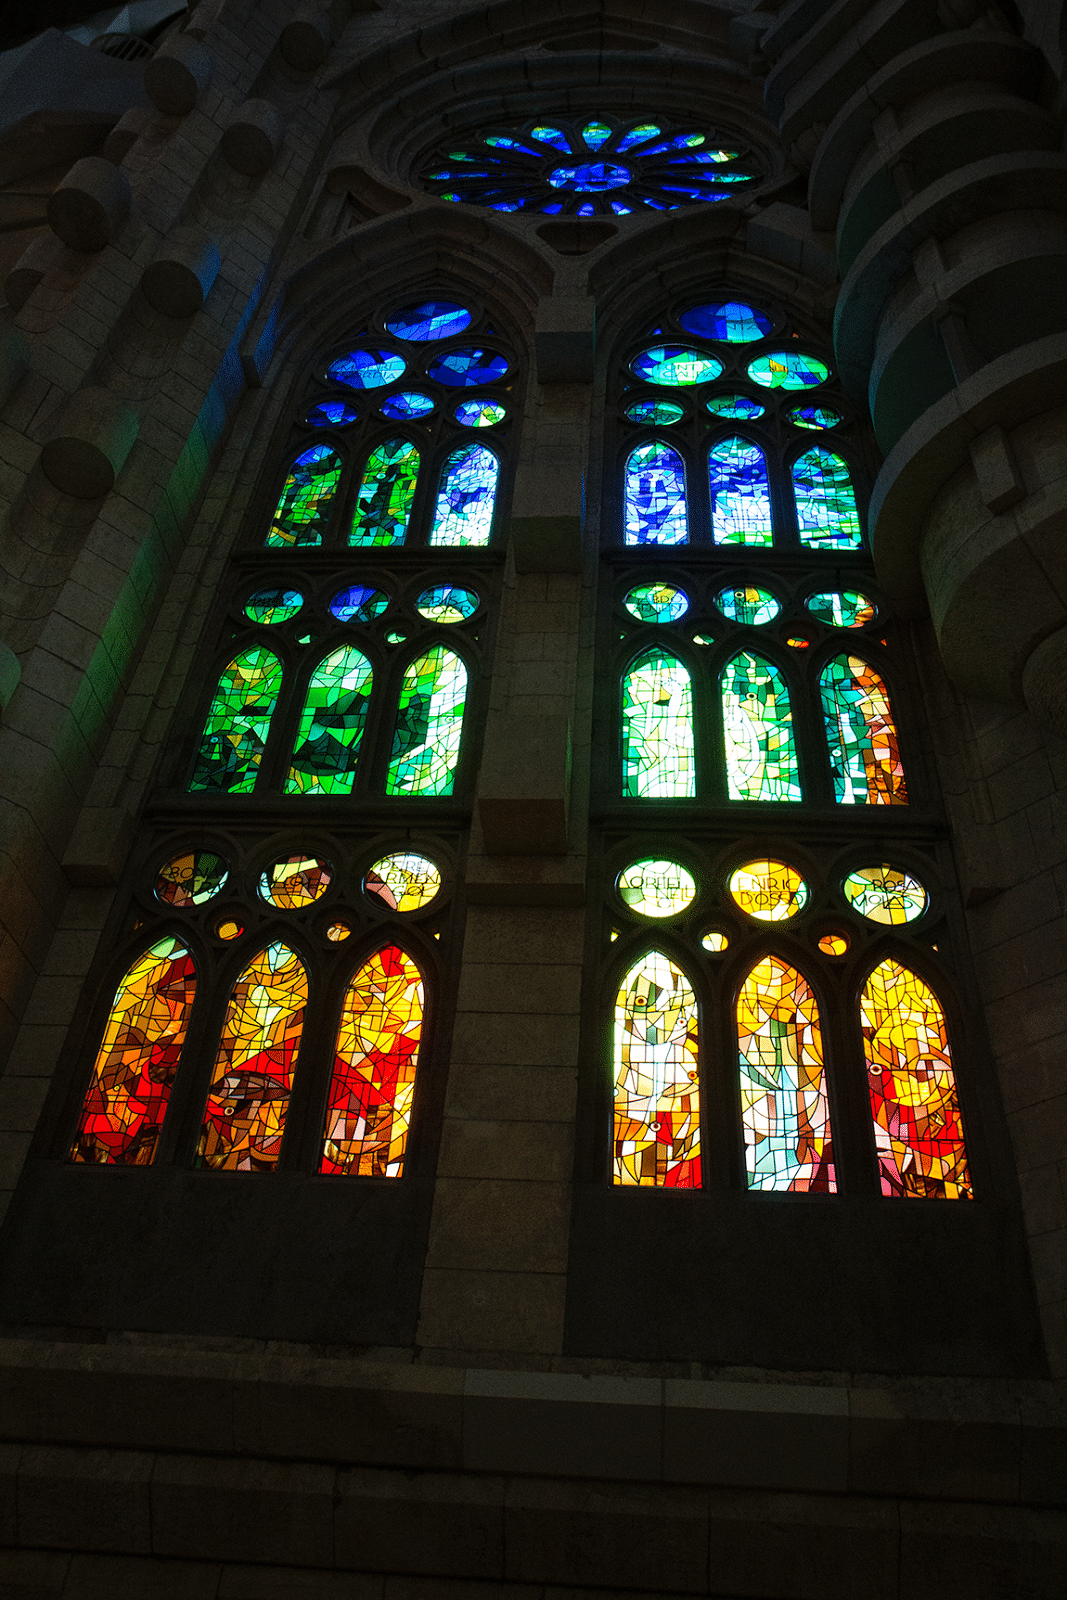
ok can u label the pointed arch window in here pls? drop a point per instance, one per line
(332, 724)
(657, 1092)
(429, 725)
(656, 507)
(861, 734)
(467, 497)
(657, 729)
(386, 491)
(785, 1109)
(238, 722)
(760, 748)
(740, 494)
(302, 514)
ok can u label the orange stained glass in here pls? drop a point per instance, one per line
(253, 1078)
(134, 1069)
(862, 735)
(784, 1107)
(369, 1110)
(917, 1127)
(657, 1092)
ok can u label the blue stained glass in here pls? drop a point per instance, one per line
(592, 177)
(406, 407)
(507, 205)
(655, 496)
(367, 369)
(446, 175)
(740, 494)
(359, 604)
(620, 210)
(595, 134)
(552, 136)
(674, 366)
(638, 135)
(735, 405)
(433, 319)
(707, 158)
(480, 413)
(760, 752)
(500, 142)
(655, 413)
(464, 513)
(468, 368)
(826, 503)
(586, 210)
(273, 605)
(814, 417)
(681, 141)
(787, 369)
(555, 209)
(730, 320)
(332, 414)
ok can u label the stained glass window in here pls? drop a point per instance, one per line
(655, 496)
(656, 602)
(656, 888)
(269, 606)
(407, 407)
(748, 605)
(331, 724)
(303, 511)
(657, 1092)
(433, 319)
(740, 494)
(368, 1112)
(465, 500)
(675, 367)
(862, 735)
(657, 729)
(784, 1108)
(127, 1099)
(885, 894)
(760, 750)
(655, 413)
(825, 501)
(788, 369)
(735, 405)
(917, 1126)
(842, 608)
(238, 723)
(403, 882)
(367, 369)
(248, 1100)
(386, 490)
(729, 320)
(429, 722)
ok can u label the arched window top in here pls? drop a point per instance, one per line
(657, 1095)
(657, 728)
(386, 490)
(784, 1106)
(429, 725)
(238, 722)
(740, 493)
(303, 510)
(332, 724)
(466, 498)
(760, 746)
(827, 515)
(656, 511)
(862, 734)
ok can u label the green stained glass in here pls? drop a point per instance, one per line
(331, 725)
(595, 134)
(655, 413)
(638, 135)
(740, 494)
(303, 509)
(826, 503)
(657, 729)
(553, 136)
(237, 724)
(386, 490)
(842, 608)
(673, 366)
(737, 406)
(464, 514)
(814, 417)
(788, 369)
(656, 602)
(748, 605)
(656, 888)
(448, 603)
(761, 755)
(862, 735)
(885, 894)
(429, 722)
(273, 605)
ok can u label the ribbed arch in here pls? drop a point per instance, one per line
(656, 509)
(238, 723)
(785, 1111)
(759, 742)
(302, 514)
(740, 493)
(429, 725)
(861, 734)
(466, 498)
(657, 1089)
(332, 724)
(827, 515)
(386, 490)
(658, 746)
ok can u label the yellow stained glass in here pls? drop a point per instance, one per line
(885, 894)
(784, 1107)
(770, 891)
(656, 888)
(657, 1092)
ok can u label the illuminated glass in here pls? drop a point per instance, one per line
(433, 319)
(386, 490)
(429, 722)
(657, 729)
(237, 723)
(553, 136)
(467, 368)
(730, 320)
(842, 608)
(273, 605)
(885, 894)
(191, 879)
(656, 602)
(682, 141)
(814, 417)
(715, 943)
(655, 496)
(303, 511)
(596, 133)
(917, 1127)
(447, 603)
(480, 413)
(229, 929)
(403, 882)
(465, 501)
(331, 724)
(639, 135)
(590, 177)
(657, 1091)
(826, 502)
(740, 494)
(674, 367)
(407, 407)
(133, 1073)
(332, 414)
(748, 605)
(788, 369)
(833, 944)
(656, 888)
(770, 891)
(244, 1118)
(359, 604)
(862, 735)
(295, 882)
(655, 413)
(368, 1112)
(737, 406)
(784, 1106)
(761, 756)
(367, 369)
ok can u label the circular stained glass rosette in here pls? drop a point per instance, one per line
(449, 602)
(273, 605)
(332, 414)
(480, 413)
(656, 888)
(833, 944)
(715, 943)
(787, 369)
(229, 929)
(674, 367)
(655, 413)
(367, 369)
(814, 417)
(603, 167)
(433, 319)
(467, 368)
(842, 608)
(407, 407)
(403, 882)
(730, 320)
(885, 894)
(338, 932)
(191, 879)
(294, 883)
(359, 604)
(656, 602)
(770, 891)
(750, 606)
(737, 407)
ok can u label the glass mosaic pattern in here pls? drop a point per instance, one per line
(433, 319)
(269, 606)
(358, 604)
(917, 1127)
(332, 414)
(331, 724)
(295, 882)
(655, 511)
(429, 722)
(826, 502)
(658, 757)
(191, 879)
(244, 1118)
(814, 417)
(862, 735)
(407, 407)
(788, 369)
(735, 406)
(885, 894)
(842, 608)
(657, 1090)
(468, 368)
(403, 882)
(655, 888)
(368, 1112)
(367, 369)
(656, 602)
(448, 603)
(833, 944)
(237, 724)
(748, 605)
(730, 320)
(740, 494)
(386, 490)
(655, 413)
(465, 500)
(303, 511)
(770, 891)
(133, 1073)
(674, 367)
(760, 751)
(784, 1107)
(480, 413)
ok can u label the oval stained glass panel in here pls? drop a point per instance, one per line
(814, 417)
(407, 407)
(842, 608)
(467, 368)
(359, 604)
(403, 882)
(273, 605)
(885, 894)
(656, 888)
(770, 891)
(332, 414)
(433, 319)
(788, 369)
(480, 413)
(730, 320)
(747, 605)
(738, 407)
(655, 413)
(449, 602)
(657, 1084)
(674, 367)
(367, 369)
(639, 135)
(295, 882)
(656, 602)
(191, 879)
